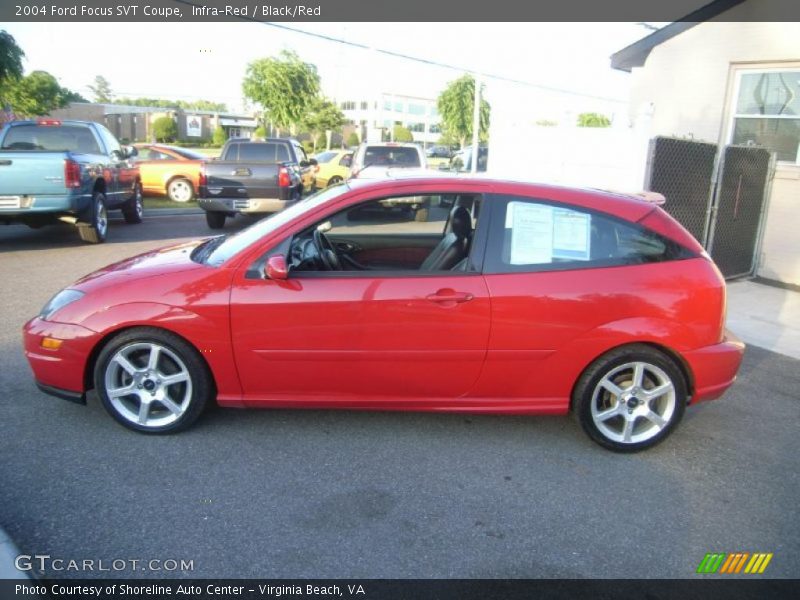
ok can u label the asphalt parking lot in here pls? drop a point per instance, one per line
(285, 493)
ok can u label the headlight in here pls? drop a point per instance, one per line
(59, 301)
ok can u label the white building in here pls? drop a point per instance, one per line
(385, 110)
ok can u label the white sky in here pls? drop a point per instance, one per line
(208, 60)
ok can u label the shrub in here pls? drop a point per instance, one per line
(352, 139)
(220, 137)
(165, 129)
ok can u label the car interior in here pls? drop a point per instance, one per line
(434, 235)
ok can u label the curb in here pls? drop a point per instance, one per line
(8, 554)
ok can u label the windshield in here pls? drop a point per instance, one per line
(190, 154)
(325, 157)
(234, 244)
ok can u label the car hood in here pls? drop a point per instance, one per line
(161, 262)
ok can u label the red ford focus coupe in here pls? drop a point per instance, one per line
(493, 297)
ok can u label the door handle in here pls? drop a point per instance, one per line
(449, 297)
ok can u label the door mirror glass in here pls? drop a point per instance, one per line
(276, 268)
(130, 151)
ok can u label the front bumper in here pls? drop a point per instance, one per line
(243, 205)
(714, 368)
(59, 372)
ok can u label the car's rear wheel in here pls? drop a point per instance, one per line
(215, 220)
(180, 190)
(93, 227)
(334, 180)
(631, 398)
(152, 381)
(133, 209)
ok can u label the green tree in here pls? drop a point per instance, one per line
(456, 104)
(165, 129)
(260, 132)
(36, 94)
(593, 120)
(101, 90)
(402, 134)
(352, 139)
(322, 115)
(220, 137)
(285, 86)
(10, 58)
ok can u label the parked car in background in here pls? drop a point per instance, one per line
(439, 152)
(519, 299)
(254, 177)
(169, 171)
(332, 167)
(462, 160)
(372, 160)
(67, 171)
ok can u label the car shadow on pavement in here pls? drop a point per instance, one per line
(16, 237)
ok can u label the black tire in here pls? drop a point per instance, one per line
(176, 358)
(133, 209)
(334, 180)
(180, 189)
(606, 417)
(215, 220)
(93, 227)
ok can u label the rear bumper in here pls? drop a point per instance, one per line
(243, 205)
(714, 368)
(31, 207)
(59, 372)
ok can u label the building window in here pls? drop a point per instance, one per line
(767, 111)
(435, 128)
(364, 105)
(416, 109)
(417, 127)
(398, 107)
(387, 105)
(348, 105)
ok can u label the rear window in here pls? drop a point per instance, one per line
(261, 152)
(392, 156)
(49, 138)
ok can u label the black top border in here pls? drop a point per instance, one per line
(406, 11)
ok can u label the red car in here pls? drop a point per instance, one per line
(510, 298)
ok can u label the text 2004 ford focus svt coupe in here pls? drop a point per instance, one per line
(507, 298)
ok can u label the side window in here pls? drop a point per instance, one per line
(232, 152)
(429, 233)
(346, 160)
(109, 141)
(282, 153)
(540, 236)
(301, 153)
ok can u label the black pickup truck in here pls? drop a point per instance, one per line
(254, 176)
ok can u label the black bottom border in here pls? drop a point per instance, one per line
(404, 589)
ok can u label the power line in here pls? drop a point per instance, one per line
(418, 59)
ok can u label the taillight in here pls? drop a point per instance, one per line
(48, 122)
(72, 174)
(283, 177)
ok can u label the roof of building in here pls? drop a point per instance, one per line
(636, 54)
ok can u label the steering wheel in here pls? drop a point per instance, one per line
(326, 251)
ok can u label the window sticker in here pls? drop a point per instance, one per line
(571, 234)
(531, 233)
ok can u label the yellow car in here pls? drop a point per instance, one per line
(332, 167)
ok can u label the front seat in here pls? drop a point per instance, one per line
(454, 245)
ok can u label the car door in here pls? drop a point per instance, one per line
(367, 338)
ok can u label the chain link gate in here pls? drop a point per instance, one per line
(724, 213)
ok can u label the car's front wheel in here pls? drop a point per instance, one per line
(152, 381)
(631, 398)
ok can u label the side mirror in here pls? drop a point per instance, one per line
(313, 162)
(276, 268)
(117, 155)
(130, 151)
(304, 163)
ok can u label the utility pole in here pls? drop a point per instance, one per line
(476, 124)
